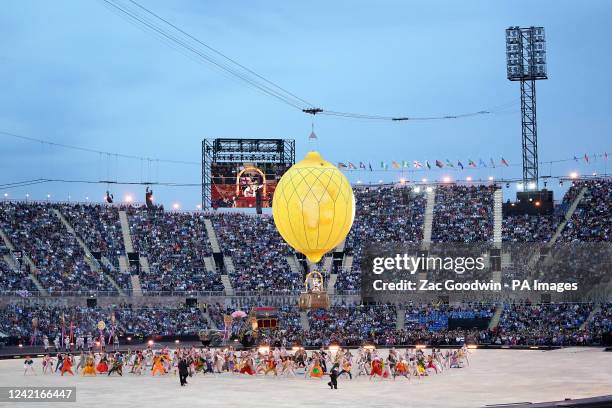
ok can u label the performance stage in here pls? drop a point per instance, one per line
(493, 377)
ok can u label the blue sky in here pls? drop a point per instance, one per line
(75, 72)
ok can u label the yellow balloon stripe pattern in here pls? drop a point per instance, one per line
(313, 206)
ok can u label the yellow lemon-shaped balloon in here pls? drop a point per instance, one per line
(313, 206)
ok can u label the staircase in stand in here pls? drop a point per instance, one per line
(144, 265)
(227, 285)
(429, 214)
(212, 236)
(125, 232)
(567, 217)
(347, 262)
(304, 320)
(591, 316)
(33, 270)
(400, 321)
(331, 283)
(89, 259)
(229, 264)
(136, 288)
(134, 279)
(294, 265)
(340, 247)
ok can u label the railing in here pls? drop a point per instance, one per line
(161, 293)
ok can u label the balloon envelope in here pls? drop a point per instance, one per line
(313, 206)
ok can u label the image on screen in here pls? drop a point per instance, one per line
(244, 185)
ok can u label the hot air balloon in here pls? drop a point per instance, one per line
(313, 209)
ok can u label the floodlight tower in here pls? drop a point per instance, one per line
(526, 63)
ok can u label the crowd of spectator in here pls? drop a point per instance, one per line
(383, 215)
(258, 253)
(463, 213)
(16, 321)
(59, 261)
(175, 245)
(561, 324)
(592, 220)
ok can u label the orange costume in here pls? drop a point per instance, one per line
(401, 368)
(67, 366)
(316, 371)
(158, 366)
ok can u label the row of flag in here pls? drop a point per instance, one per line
(424, 165)
(398, 165)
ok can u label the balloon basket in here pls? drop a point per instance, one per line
(314, 300)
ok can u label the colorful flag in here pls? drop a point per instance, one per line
(418, 164)
(575, 159)
(362, 165)
(504, 162)
(395, 165)
(384, 165)
(439, 164)
(482, 163)
(460, 164)
(352, 166)
(341, 165)
(586, 158)
(471, 163)
(427, 164)
(492, 163)
(370, 165)
(605, 155)
(449, 164)
(405, 164)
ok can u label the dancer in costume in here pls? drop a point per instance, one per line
(67, 366)
(270, 365)
(316, 371)
(117, 365)
(102, 366)
(89, 369)
(28, 365)
(401, 369)
(158, 366)
(247, 365)
(288, 367)
(47, 364)
(81, 362)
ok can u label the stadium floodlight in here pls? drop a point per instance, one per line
(429, 189)
(531, 185)
(468, 178)
(417, 189)
(573, 175)
(526, 63)
(176, 206)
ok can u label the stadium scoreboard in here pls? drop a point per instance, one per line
(243, 173)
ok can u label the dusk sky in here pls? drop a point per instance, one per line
(77, 72)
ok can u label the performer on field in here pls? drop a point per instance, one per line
(28, 365)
